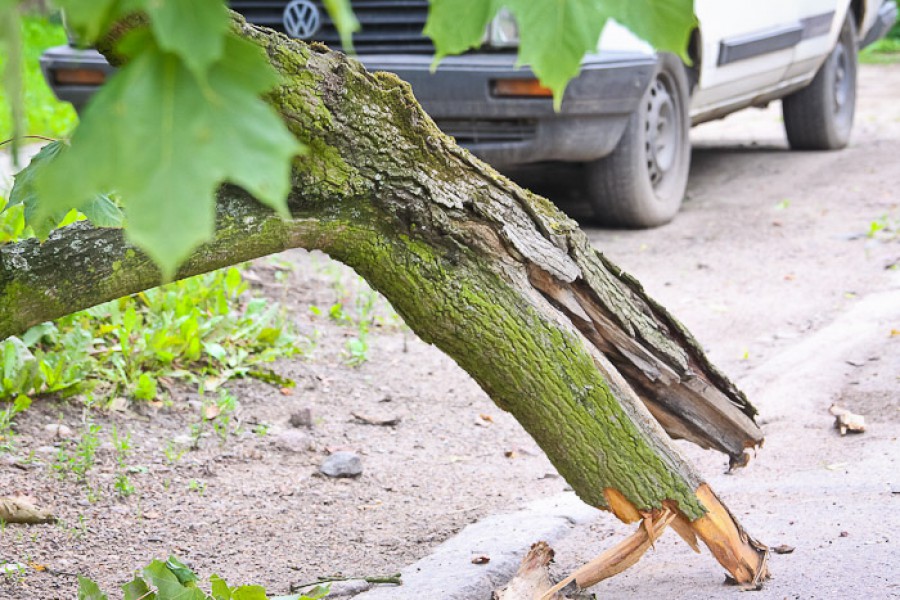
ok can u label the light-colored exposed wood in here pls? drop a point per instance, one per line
(743, 557)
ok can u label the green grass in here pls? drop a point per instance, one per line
(44, 114)
(885, 50)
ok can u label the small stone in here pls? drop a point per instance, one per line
(59, 431)
(302, 418)
(342, 464)
(293, 441)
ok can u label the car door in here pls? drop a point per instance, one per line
(746, 46)
(821, 21)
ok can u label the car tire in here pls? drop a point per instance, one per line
(642, 182)
(820, 116)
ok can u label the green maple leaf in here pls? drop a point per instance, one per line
(88, 590)
(99, 209)
(457, 25)
(137, 589)
(220, 589)
(167, 584)
(555, 35)
(664, 24)
(194, 30)
(164, 140)
(250, 592)
(341, 14)
(87, 20)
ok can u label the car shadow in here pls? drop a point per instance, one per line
(564, 183)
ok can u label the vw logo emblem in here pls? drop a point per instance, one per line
(301, 19)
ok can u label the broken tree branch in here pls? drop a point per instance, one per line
(495, 276)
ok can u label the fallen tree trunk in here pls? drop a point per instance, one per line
(495, 276)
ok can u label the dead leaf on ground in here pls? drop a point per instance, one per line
(846, 421)
(487, 418)
(783, 549)
(211, 411)
(19, 509)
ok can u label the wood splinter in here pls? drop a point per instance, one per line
(743, 557)
(623, 555)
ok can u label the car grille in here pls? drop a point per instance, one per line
(386, 27)
(469, 132)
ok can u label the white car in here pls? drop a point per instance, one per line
(626, 116)
(745, 53)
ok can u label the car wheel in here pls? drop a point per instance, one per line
(641, 184)
(820, 116)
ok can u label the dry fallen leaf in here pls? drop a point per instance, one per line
(211, 411)
(783, 549)
(286, 391)
(487, 418)
(37, 567)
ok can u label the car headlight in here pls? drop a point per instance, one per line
(503, 31)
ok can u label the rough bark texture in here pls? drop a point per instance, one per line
(495, 276)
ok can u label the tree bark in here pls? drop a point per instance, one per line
(490, 273)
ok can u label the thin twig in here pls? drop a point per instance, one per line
(395, 579)
(28, 137)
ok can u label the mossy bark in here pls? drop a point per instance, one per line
(495, 276)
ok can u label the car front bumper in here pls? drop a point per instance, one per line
(460, 96)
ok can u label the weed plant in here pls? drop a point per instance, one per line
(194, 329)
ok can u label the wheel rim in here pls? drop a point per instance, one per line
(662, 131)
(842, 78)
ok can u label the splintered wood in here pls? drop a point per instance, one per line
(532, 579)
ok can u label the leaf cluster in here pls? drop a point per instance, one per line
(181, 117)
(173, 580)
(184, 113)
(556, 35)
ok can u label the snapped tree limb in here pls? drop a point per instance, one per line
(490, 273)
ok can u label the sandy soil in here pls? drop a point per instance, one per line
(769, 265)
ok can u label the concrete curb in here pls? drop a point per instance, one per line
(448, 573)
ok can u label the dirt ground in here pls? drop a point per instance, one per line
(769, 265)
